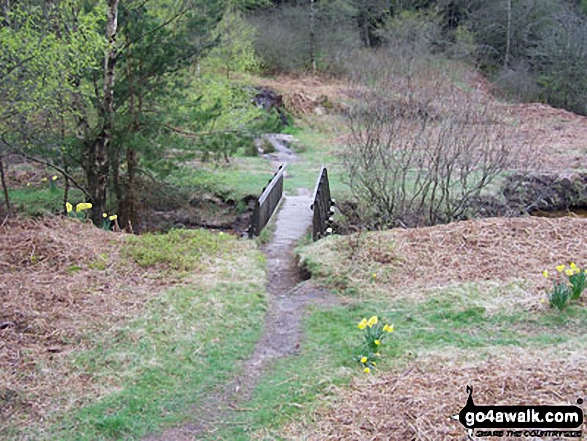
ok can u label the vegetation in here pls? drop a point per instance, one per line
(375, 332)
(99, 96)
(568, 289)
(120, 112)
(179, 249)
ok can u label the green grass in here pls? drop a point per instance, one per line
(179, 249)
(184, 344)
(36, 201)
(296, 386)
(166, 362)
(448, 320)
(317, 151)
(249, 175)
(243, 177)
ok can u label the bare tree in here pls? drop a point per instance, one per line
(423, 152)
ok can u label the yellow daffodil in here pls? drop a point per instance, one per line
(545, 273)
(569, 272)
(113, 217)
(104, 215)
(542, 300)
(377, 342)
(68, 207)
(363, 359)
(366, 370)
(44, 180)
(54, 177)
(388, 328)
(573, 266)
(372, 321)
(374, 275)
(362, 324)
(28, 184)
(221, 234)
(374, 364)
(560, 268)
(82, 206)
(377, 354)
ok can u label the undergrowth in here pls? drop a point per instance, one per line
(182, 250)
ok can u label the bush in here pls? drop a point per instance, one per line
(422, 151)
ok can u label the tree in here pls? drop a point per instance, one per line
(150, 44)
(560, 59)
(47, 48)
(508, 30)
(235, 51)
(96, 153)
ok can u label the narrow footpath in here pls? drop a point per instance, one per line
(287, 298)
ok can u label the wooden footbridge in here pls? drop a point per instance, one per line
(322, 204)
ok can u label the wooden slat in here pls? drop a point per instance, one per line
(267, 203)
(321, 203)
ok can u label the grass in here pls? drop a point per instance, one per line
(166, 362)
(242, 177)
(36, 201)
(295, 387)
(179, 249)
(249, 175)
(298, 383)
(458, 318)
(157, 368)
(318, 150)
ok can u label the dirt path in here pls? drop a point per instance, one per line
(282, 154)
(287, 299)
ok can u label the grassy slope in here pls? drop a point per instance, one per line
(150, 371)
(450, 319)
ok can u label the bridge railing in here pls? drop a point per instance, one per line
(322, 206)
(267, 203)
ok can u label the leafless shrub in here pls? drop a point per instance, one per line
(422, 151)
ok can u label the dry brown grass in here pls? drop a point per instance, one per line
(504, 259)
(415, 263)
(60, 281)
(416, 403)
(558, 137)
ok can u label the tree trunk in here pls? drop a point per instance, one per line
(97, 161)
(313, 35)
(4, 186)
(131, 205)
(508, 43)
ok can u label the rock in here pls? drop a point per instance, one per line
(269, 100)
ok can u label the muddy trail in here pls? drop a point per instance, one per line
(288, 296)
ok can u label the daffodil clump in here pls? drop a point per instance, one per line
(568, 284)
(108, 220)
(79, 209)
(375, 333)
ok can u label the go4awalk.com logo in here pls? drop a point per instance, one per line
(521, 421)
